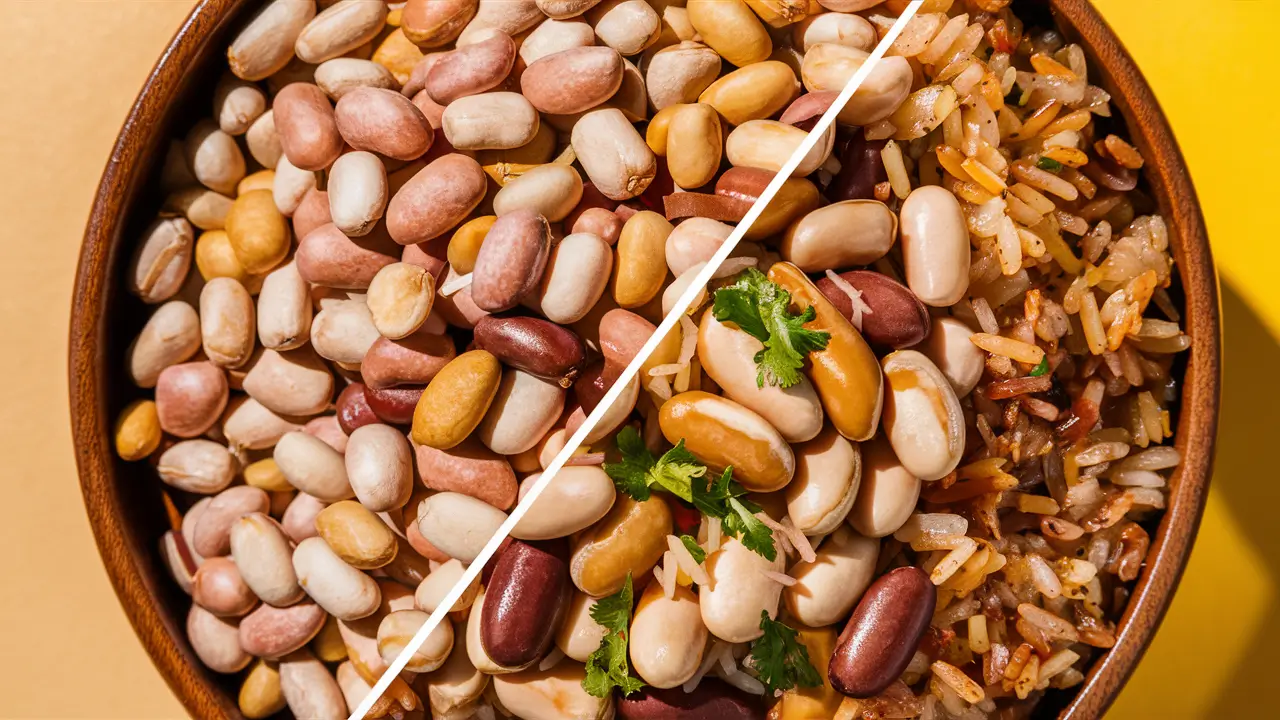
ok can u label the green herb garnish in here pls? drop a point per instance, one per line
(679, 473)
(607, 666)
(1041, 368)
(1049, 164)
(761, 308)
(694, 548)
(781, 660)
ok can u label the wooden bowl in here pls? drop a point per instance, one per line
(125, 503)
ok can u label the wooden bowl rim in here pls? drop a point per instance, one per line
(129, 166)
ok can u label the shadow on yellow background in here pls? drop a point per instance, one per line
(1216, 652)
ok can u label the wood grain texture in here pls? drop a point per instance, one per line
(125, 503)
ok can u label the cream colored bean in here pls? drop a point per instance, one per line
(343, 332)
(475, 648)
(295, 383)
(400, 299)
(432, 590)
(313, 467)
(922, 416)
(457, 684)
(171, 336)
(310, 689)
(263, 141)
(290, 185)
(565, 8)
(768, 144)
(738, 592)
(284, 309)
(265, 45)
(667, 637)
(490, 121)
(398, 628)
(828, 66)
(841, 235)
(211, 536)
(216, 641)
(203, 208)
(628, 26)
(828, 472)
(236, 104)
(950, 348)
(574, 499)
(509, 16)
(339, 29)
(524, 410)
(838, 28)
(555, 694)
(197, 466)
(227, 319)
(695, 145)
(694, 241)
(727, 356)
(379, 465)
(827, 589)
(457, 524)
(935, 246)
(162, 260)
(343, 591)
(354, 687)
(552, 190)
(553, 36)
(214, 157)
(299, 519)
(249, 425)
(579, 635)
(341, 75)
(887, 494)
(679, 73)
(265, 558)
(631, 98)
(576, 277)
(357, 192)
(613, 153)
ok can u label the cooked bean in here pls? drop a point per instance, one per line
(197, 466)
(294, 383)
(511, 261)
(951, 350)
(551, 190)
(713, 699)
(469, 468)
(190, 398)
(216, 641)
(629, 540)
(307, 127)
(693, 242)
(459, 525)
(828, 66)
(827, 589)
(161, 262)
(739, 592)
(828, 472)
(579, 635)
(437, 198)
(720, 432)
(383, 122)
(550, 694)
(935, 246)
(613, 154)
(881, 636)
(887, 494)
(525, 601)
(923, 419)
(667, 637)
(853, 232)
(313, 467)
(797, 197)
(263, 554)
(490, 121)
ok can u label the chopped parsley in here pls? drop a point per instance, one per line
(607, 666)
(694, 548)
(761, 308)
(1049, 164)
(679, 473)
(1042, 368)
(780, 659)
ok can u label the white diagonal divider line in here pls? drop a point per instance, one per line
(633, 369)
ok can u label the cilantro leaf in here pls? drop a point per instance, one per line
(638, 470)
(690, 544)
(675, 471)
(781, 660)
(607, 666)
(725, 499)
(762, 309)
(1042, 368)
(1049, 164)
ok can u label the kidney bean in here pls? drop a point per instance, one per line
(525, 601)
(897, 319)
(394, 405)
(861, 169)
(353, 409)
(272, 632)
(536, 346)
(511, 261)
(883, 632)
(713, 699)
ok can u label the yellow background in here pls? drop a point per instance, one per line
(71, 69)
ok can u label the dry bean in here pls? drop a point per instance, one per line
(525, 601)
(299, 519)
(313, 467)
(265, 474)
(432, 23)
(295, 383)
(471, 69)
(227, 319)
(260, 694)
(380, 467)
(839, 28)
(216, 641)
(137, 431)
(881, 637)
(731, 29)
(394, 405)
(553, 36)
(340, 28)
(509, 16)
(384, 122)
(888, 492)
(796, 197)
(399, 299)
(197, 466)
(284, 309)
(263, 141)
(312, 212)
(343, 332)
(310, 690)
(328, 257)
(469, 468)
(343, 591)
(306, 125)
(437, 198)
(203, 208)
(459, 525)
(214, 157)
(694, 145)
(679, 73)
(769, 144)
(639, 270)
(190, 398)
(161, 262)
(511, 261)
(413, 360)
(265, 45)
(550, 694)
(357, 191)
(218, 588)
(491, 121)
(575, 499)
(258, 232)
(236, 104)
(576, 276)
(290, 185)
(755, 92)
(211, 535)
(339, 76)
(853, 232)
(171, 336)
(693, 242)
(565, 8)
(613, 154)
(215, 258)
(398, 628)
(456, 400)
(264, 556)
(551, 190)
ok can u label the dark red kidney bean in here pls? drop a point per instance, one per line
(661, 186)
(486, 574)
(511, 261)
(394, 405)
(897, 319)
(1110, 174)
(713, 699)
(861, 169)
(537, 346)
(413, 360)
(883, 632)
(353, 408)
(591, 386)
(524, 602)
